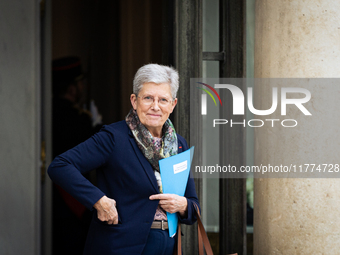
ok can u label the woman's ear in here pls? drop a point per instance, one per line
(174, 104)
(133, 100)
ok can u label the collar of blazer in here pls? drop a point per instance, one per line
(144, 162)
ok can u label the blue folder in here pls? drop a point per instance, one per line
(174, 173)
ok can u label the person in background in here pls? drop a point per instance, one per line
(129, 205)
(71, 126)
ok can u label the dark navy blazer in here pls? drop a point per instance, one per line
(123, 174)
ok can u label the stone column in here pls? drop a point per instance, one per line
(20, 127)
(296, 216)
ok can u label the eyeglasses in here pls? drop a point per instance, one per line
(162, 101)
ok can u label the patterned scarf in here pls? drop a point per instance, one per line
(153, 148)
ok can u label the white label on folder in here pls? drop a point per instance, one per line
(180, 167)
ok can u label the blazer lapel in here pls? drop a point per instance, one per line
(145, 163)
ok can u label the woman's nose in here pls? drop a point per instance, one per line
(155, 105)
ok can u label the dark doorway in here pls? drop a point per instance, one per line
(112, 39)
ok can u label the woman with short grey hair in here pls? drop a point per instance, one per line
(157, 74)
(129, 205)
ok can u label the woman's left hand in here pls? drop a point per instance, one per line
(172, 203)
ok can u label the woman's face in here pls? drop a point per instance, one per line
(152, 107)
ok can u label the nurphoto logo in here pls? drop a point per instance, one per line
(239, 104)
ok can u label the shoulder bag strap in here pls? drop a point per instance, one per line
(202, 236)
(179, 241)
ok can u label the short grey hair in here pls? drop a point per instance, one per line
(157, 74)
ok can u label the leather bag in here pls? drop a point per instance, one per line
(202, 237)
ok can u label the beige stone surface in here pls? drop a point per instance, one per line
(298, 38)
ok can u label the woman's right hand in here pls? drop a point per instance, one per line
(106, 210)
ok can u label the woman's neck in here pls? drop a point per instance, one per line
(156, 132)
